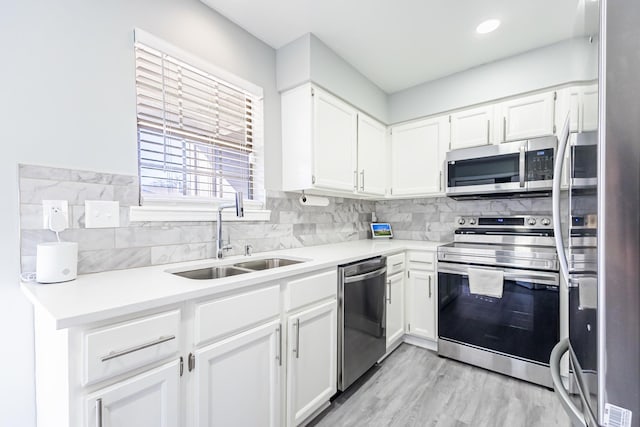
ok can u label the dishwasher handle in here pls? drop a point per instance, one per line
(365, 276)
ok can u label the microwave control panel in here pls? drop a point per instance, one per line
(539, 165)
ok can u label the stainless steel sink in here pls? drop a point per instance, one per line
(218, 272)
(267, 263)
(212, 272)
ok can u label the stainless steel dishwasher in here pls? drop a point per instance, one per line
(362, 337)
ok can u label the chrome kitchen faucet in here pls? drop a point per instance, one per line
(220, 247)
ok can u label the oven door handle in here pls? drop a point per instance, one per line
(365, 276)
(516, 275)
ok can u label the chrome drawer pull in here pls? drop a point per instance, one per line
(115, 354)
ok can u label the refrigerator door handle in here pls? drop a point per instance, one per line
(570, 408)
(555, 200)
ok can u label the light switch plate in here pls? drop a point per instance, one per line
(48, 205)
(101, 214)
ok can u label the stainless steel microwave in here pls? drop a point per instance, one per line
(512, 169)
(584, 160)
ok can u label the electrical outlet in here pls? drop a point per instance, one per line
(101, 214)
(61, 205)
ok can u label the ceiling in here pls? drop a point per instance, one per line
(398, 44)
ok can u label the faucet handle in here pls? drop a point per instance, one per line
(248, 249)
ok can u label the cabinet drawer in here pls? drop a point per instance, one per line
(310, 289)
(426, 260)
(119, 348)
(395, 264)
(222, 317)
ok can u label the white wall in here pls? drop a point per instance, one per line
(68, 100)
(309, 59)
(572, 60)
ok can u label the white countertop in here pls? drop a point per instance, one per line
(100, 296)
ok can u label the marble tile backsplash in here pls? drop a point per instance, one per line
(434, 218)
(139, 244)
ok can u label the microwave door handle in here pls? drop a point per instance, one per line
(522, 163)
(555, 200)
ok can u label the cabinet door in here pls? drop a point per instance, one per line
(395, 308)
(238, 379)
(312, 356)
(589, 111)
(471, 128)
(151, 399)
(420, 304)
(417, 156)
(334, 143)
(372, 159)
(527, 117)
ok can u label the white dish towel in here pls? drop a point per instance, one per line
(588, 292)
(486, 282)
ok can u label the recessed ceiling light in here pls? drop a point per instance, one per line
(488, 26)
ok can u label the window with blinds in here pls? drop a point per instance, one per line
(199, 137)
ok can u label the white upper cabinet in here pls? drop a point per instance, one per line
(334, 142)
(471, 128)
(581, 104)
(528, 116)
(589, 111)
(372, 159)
(329, 146)
(417, 156)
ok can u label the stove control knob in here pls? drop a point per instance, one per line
(461, 221)
(545, 221)
(472, 221)
(531, 221)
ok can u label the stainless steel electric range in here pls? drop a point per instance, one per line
(513, 334)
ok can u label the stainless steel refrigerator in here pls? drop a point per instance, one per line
(600, 254)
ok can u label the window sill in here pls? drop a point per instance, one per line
(158, 213)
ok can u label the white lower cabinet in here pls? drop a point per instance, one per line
(238, 380)
(311, 360)
(151, 399)
(395, 308)
(421, 297)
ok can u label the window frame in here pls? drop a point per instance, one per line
(198, 208)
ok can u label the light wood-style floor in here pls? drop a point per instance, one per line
(415, 387)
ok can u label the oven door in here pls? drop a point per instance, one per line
(524, 323)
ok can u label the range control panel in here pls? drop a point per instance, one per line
(524, 221)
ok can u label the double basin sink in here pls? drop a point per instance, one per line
(220, 271)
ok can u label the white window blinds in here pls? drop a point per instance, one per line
(199, 137)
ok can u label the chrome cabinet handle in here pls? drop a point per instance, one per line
(98, 412)
(440, 180)
(362, 183)
(298, 338)
(522, 165)
(115, 354)
(389, 291)
(279, 356)
(488, 131)
(504, 129)
(429, 287)
(554, 363)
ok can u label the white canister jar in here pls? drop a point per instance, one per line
(56, 262)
